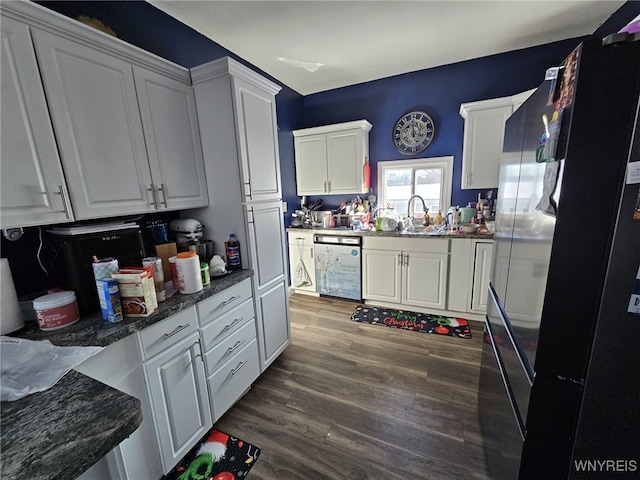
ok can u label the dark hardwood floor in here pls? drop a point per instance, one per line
(354, 401)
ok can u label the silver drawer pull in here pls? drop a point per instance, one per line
(231, 349)
(234, 323)
(240, 365)
(178, 329)
(227, 302)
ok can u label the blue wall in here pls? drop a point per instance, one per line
(439, 91)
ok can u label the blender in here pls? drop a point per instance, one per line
(188, 233)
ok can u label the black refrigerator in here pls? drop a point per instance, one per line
(559, 391)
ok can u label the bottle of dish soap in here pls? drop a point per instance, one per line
(438, 221)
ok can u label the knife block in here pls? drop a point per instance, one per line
(164, 251)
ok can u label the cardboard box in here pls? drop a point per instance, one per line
(165, 251)
(110, 303)
(137, 291)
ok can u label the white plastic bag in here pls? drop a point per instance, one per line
(27, 366)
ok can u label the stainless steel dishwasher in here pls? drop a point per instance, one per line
(338, 260)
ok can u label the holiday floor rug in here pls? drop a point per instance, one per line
(417, 322)
(218, 456)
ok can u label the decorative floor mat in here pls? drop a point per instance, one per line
(418, 322)
(217, 457)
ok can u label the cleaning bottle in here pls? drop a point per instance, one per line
(233, 253)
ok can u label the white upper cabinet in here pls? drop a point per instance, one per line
(331, 159)
(172, 137)
(33, 190)
(483, 135)
(94, 107)
(124, 122)
(257, 132)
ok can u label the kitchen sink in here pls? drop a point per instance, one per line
(421, 233)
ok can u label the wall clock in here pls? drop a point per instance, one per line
(413, 132)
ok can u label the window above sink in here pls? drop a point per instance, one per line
(431, 178)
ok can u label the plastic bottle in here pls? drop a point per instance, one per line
(233, 253)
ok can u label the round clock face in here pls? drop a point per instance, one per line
(413, 132)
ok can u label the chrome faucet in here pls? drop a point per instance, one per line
(424, 207)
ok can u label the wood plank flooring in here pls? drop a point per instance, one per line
(354, 401)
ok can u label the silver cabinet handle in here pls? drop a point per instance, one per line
(227, 302)
(65, 206)
(163, 189)
(325, 187)
(400, 259)
(178, 329)
(152, 202)
(234, 323)
(311, 252)
(240, 365)
(238, 343)
(406, 259)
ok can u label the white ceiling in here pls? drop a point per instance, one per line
(349, 42)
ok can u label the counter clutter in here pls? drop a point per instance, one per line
(61, 432)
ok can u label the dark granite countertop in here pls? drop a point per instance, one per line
(61, 432)
(374, 233)
(93, 331)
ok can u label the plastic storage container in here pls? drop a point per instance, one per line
(56, 310)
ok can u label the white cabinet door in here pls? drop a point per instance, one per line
(268, 260)
(381, 275)
(483, 136)
(481, 277)
(311, 164)
(172, 138)
(257, 133)
(93, 103)
(302, 265)
(178, 392)
(345, 161)
(33, 190)
(425, 279)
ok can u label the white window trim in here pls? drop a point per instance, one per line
(446, 163)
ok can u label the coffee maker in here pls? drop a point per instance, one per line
(188, 233)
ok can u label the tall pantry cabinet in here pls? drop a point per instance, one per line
(237, 118)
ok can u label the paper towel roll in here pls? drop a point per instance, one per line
(11, 317)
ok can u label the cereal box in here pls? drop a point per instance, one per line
(137, 291)
(109, 296)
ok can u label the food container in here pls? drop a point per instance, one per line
(189, 277)
(137, 291)
(56, 310)
(110, 303)
(158, 276)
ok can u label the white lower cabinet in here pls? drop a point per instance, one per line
(469, 275)
(410, 272)
(228, 334)
(177, 387)
(302, 267)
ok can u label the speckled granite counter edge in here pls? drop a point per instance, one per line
(61, 432)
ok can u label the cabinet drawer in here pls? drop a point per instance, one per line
(228, 347)
(226, 324)
(220, 303)
(232, 379)
(168, 332)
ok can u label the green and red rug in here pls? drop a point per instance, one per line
(407, 320)
(218, 456)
